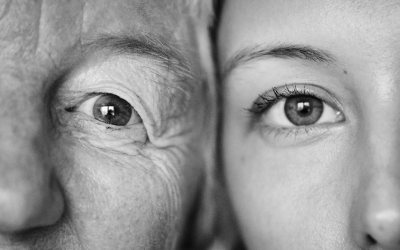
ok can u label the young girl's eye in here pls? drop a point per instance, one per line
(300, 110)
(294, 106)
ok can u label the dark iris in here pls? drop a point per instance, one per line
(111, 109)
(303, 110)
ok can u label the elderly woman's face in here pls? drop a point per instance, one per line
(311, 133)
(100, 142)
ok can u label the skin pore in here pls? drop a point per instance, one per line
(310, 122)
(72, 178)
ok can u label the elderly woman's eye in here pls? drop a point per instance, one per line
(110, 109)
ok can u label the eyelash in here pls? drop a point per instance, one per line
(300, 133)
(269, 101)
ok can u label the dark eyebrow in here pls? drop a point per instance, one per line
(281, 51)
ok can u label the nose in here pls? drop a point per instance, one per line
(30, 195)
(376, 214)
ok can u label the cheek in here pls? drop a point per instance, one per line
(286, 197)
(117, 201)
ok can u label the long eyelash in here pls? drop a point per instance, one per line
(267, 100)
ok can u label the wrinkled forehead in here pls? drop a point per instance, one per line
(51, 27)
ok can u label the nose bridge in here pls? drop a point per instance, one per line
(383, 129)
(383, 150)
(381, 136)
(20, 121)
(29, 195)
(21, 154)
(22, 117)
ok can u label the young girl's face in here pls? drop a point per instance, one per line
(311, 124)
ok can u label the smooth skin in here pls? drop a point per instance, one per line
(69, 180)
(329, 185)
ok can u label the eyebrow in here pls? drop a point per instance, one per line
(161, 52)
(306, 53)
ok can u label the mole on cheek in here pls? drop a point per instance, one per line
(345, 72)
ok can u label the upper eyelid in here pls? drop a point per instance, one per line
(96, 79)
(288, 91)
(277, 93)
(83, 99)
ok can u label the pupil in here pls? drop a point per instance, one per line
(303, 110)
(107, 110)
(112, 109)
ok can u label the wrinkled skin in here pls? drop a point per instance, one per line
(328, 185)
(69, 181)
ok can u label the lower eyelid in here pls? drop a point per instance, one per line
(85, 127)
(284, 137)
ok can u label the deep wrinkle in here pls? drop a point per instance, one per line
(163, 54)
(46, 65)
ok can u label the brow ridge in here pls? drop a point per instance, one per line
(141, 46)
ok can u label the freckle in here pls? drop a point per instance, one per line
(345, 72)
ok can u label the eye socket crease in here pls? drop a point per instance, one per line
(281, 51)
(167, 55)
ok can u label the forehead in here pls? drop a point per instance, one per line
(51, 27)
(316, 22)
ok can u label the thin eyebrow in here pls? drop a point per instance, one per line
(306, 53)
